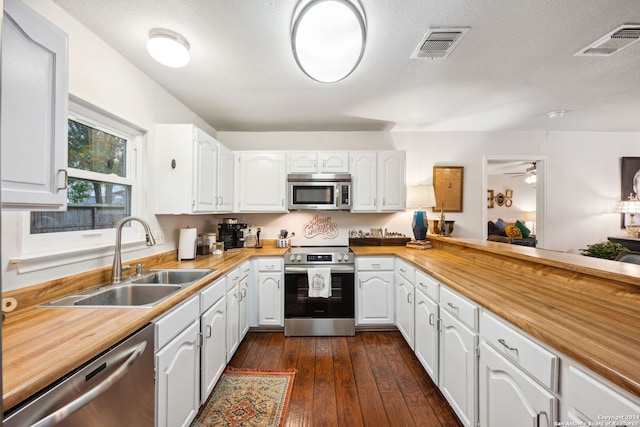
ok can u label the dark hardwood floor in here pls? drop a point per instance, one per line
(372, 379)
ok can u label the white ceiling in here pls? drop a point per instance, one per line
(513, 66)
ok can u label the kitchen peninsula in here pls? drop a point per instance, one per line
(585, 309)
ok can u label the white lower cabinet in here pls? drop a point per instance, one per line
(426, 333)
(177, 364)
(270, 292)
(458, 366)
(374, 295)
(243, 300)
(509, 397)
(405, 309)
(233, 317)
(213, 325)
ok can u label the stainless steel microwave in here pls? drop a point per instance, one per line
(322, 192)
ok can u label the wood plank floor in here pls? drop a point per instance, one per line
(371, 379)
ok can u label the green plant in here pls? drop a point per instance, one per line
(606, 250)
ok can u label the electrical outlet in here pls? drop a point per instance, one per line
(159, 236)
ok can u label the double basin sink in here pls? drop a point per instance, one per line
(146, 290)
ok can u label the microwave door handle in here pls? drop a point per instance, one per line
(337, 196)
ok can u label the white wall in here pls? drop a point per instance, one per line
(523, 200)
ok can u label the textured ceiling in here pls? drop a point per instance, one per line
(515, 64)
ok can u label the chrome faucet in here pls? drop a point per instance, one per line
(116, 271)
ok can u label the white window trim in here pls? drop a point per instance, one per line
(42, 251)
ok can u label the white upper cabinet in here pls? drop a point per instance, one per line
(317, 162)
(34, 111)
(195, 172)
(262, 181)
(364, 185)
(391, 181)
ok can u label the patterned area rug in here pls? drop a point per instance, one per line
(246, 397)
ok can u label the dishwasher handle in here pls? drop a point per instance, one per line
(62, 413)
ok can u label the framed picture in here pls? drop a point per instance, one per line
(447, 183)
(630, 180)
(490, 198)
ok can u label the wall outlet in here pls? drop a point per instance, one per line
(159, 236)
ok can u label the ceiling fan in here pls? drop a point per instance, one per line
(529, 173)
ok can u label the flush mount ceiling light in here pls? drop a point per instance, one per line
(328, 38)
(556, 114)
(168, 48)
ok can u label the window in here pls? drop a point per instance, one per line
(103, 187)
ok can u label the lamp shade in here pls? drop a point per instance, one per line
(627, 207)
(328, 38)
(421, 196)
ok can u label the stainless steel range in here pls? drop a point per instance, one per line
(319, 291)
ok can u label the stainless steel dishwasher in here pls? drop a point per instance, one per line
(116, 389)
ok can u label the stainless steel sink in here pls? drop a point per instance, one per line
(130, 294)
(146, 290)
(177, 276)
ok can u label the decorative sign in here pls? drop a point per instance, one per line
(322, 226)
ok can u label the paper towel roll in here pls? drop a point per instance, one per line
(187, 243)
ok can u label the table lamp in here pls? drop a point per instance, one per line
(420, 197)
(630, 206)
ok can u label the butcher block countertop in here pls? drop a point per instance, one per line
(587, 309)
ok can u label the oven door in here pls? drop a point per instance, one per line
(298, 304)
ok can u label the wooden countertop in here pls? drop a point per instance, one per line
(587, 309)
(44, 344)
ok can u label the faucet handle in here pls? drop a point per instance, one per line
(138, 270)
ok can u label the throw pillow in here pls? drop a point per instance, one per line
(523, 228)
(501, 224)
(492, 229)
(513, 232)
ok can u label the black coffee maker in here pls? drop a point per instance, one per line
(231, 232)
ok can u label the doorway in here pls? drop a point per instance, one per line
(509, 173)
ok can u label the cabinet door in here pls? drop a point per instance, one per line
(270, 299)
(391, 181)
(510, 398)
(363, 175)
(458, 367)
(233, 317)
(375, 298)
(333, 162)
(205, 179)
(34, 111)
(243, 290)
(426, 334)
(213, 324)
(405, 309)
(262, 182)
(178, 379)
(302, 162)
(225, 179)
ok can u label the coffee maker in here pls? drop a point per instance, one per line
(231, 232)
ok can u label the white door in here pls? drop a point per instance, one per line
(458, 366)
(233, 317)
(510, 398)
(333, 162)
(375, 298)
(178, 379)
(270, 299)
(426, 334)
(262, 182)
(214, 356)
(225, 179)
(391, 181)
(302, 162)
(363, 175)
(205, 179)
(243, 291)
(405, 309)
(34, 111)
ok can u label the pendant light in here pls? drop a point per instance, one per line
(168, 48)
(328, 38)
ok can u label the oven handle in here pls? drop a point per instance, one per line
(334, 269)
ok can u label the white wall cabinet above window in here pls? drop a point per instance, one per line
(318, 162)
(262, 181)
(195, 172)
(34, 111)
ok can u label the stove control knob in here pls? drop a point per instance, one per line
(298, 258)
(292, 257)
(346, 257)
(339, 257)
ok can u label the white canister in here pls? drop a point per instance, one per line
(282, 243)
(187, 243)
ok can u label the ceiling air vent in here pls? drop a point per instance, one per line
(439, 42)
(613, 42)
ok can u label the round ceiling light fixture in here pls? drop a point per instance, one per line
(328, 38)
(168, 48)
(556, 114)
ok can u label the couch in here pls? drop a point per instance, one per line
(514, 233)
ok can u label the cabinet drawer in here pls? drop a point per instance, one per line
(374, 263)
(459, 307)
(212, 293)
(270, 264)
(245, 269)
(427, 285)
(233, 278)
(174, 322)
(533, 358)
(406, 270)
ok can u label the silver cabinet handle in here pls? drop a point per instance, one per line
(360, 283)
(239, 295)
(66, 180)
(504, 343)
(375, 265)
(278, 283)
(453, 307)
(62, 413)
(409, 298)
(209, 331)
(538, 416)
(244, 293)
(431, 317)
